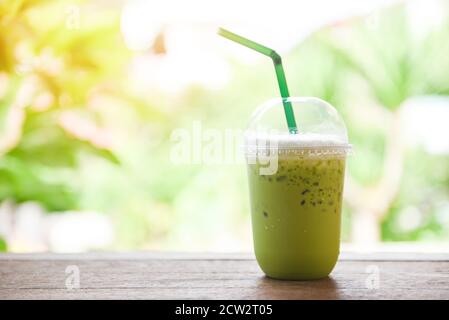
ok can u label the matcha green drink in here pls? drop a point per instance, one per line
(296, 186)
(296, 200)
(296, 215)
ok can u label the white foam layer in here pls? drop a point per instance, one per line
(293, 141)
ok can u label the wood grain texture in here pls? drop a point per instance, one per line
(152, 275)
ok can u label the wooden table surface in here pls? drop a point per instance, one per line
(217, 276)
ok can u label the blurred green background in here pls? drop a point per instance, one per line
(86, 120)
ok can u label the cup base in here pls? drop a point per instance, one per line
(307, 269)
(297, 277)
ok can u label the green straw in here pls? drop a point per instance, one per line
(289, 115)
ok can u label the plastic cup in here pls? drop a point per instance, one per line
(296, 185)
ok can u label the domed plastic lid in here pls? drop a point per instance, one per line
(321, 130)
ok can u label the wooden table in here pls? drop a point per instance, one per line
(216, 276)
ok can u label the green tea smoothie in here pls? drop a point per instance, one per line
(296, 209)
(296, 215)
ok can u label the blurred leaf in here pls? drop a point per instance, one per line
(46, 143)
(3, 245)
(24, 181)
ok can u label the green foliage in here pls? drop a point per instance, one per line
(152, 202)
(3, 245)
(24, 181)
(67, 64)
(425, 187)
(47, 143)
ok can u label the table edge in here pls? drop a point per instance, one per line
(161, 255)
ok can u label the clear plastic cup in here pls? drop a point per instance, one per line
(296, 185)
